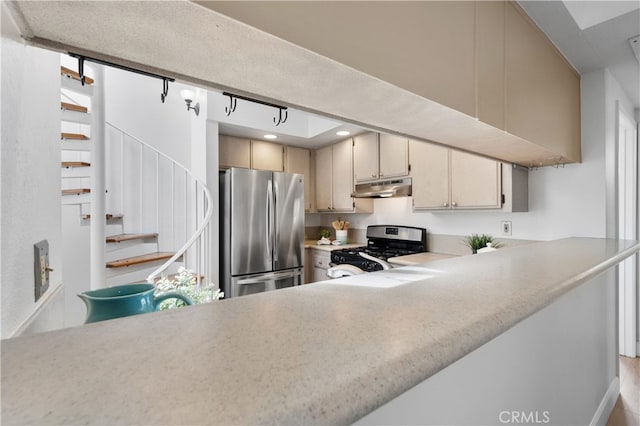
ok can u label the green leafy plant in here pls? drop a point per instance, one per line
(186, 283)
(325, 233)
(478, 241)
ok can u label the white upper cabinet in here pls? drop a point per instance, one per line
(429, 175)
(475, 181)
(379, 156)
(234, 152)
(448, 179)
(365, 157)
(267, 156)
(324, 179)
(342, 184)
(298, 160)
(334, 180)
(394, 156)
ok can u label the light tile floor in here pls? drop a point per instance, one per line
(627, 409)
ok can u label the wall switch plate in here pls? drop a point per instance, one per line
(506, 227)
(41, 268)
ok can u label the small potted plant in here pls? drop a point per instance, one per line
(324, 236)
(478, 241)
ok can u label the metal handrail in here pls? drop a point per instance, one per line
(205, 221)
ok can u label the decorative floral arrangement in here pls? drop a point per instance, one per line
(186, 283)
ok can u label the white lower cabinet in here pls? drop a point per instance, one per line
(320, 263)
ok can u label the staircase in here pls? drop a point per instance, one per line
(157, 213)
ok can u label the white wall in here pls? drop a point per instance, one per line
(132, 102)
(30, 180)
(561, 361)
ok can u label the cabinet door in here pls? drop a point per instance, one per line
(542, 91)
(430, 175)
(490, 33)
(323, 178)
(319, 274)
(365, 157)
(298, 160)
(342, 185)
(475, 181)
(394, 157)
(233, 152)
(267, 156)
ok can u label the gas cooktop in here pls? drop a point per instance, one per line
(383, 242)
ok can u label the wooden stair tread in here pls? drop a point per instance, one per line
(171, 277)
(75, 164)
(76, 191)
(73, 107)
(136, 260)
(108, 216)
(74, 75)
(74, 136)
(129, 237)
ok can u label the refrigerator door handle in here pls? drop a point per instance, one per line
(271, 218)
(276, 239)
(267, 212)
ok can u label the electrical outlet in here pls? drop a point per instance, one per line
(506, 227)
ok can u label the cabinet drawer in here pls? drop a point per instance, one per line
(321, 261)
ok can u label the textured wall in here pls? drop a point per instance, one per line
(30, 177)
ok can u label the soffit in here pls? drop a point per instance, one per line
(183, 40)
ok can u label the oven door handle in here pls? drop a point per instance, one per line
(385, 265)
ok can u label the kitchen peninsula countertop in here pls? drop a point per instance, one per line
(418, 258)
(327, 353)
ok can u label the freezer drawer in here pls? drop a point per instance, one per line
(257, 283)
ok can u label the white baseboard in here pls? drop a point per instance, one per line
(606, 405)
(40, 306)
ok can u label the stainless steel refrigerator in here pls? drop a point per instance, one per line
(261, 231)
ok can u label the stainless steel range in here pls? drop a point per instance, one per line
(383, 242)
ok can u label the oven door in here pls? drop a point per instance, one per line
(257, 283)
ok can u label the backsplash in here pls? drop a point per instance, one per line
(437, 243)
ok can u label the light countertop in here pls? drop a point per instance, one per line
(325, 353)
(418, 258)
(330, 247)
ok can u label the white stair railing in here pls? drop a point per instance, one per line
(183, 219)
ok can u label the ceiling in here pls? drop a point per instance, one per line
(594, 35)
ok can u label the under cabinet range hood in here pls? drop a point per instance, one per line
(400, 187)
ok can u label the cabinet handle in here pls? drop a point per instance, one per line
(373, 175)
(381, 174)
(445, 204)
(453, 203)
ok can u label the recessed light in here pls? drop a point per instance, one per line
(270, 136)
(343, 133)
